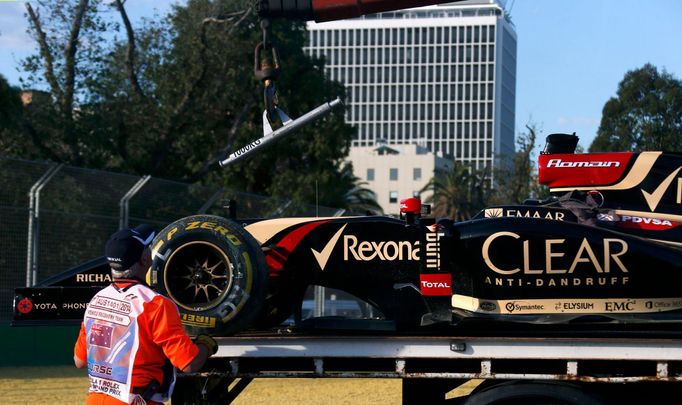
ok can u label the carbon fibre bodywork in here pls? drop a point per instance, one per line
(605, 248)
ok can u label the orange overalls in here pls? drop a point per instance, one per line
(128, 333)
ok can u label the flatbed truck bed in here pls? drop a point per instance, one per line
(606, 369)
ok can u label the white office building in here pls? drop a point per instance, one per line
(395, 172)
(443, 77)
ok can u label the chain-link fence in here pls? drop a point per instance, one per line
(53, 217)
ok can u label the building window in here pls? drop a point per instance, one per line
(392, 197)
(370, 174)
(417, 173)
(393, 174)
(398, 94)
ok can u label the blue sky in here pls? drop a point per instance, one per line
(571, 53)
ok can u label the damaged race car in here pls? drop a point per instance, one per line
(605, 248)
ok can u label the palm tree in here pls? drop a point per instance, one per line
(359, 198)
(459, 193)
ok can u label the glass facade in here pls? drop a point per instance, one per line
(440, 77)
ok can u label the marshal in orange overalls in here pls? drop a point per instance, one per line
(128, 335)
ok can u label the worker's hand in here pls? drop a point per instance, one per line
(207, 341)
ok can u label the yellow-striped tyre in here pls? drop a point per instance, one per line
(213, 270)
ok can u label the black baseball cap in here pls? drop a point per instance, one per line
(124, 248)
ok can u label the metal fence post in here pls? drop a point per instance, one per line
(125, 201)
(209, 203)
(34, 224)
(319, 293)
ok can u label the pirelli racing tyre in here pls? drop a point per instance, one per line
(213, 270)
(533, 393)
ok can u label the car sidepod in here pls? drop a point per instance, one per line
(550, 271)
(377, 259)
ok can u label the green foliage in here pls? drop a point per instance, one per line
(517, 180)
(459, 193)
(68, 34)
(171, 97)
(10, 105)
(358, 198)
(462, 192)
(10, 117)
(646, 114)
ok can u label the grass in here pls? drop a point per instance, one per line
(43, 385)
(68, 385)
(307, 391)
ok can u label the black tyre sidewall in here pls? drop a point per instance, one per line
(523, 392)
(246, 296)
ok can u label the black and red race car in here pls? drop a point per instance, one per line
(606, 247)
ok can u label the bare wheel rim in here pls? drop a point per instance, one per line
(198, 276)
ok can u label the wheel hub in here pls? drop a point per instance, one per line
(198, 276)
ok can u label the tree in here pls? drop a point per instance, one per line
(518, 180)
(10, 104)
(463, 191)
(68, 34)
(358, 198)
(459, 193)
(646, 114)
(175, 94)
(10, 117)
